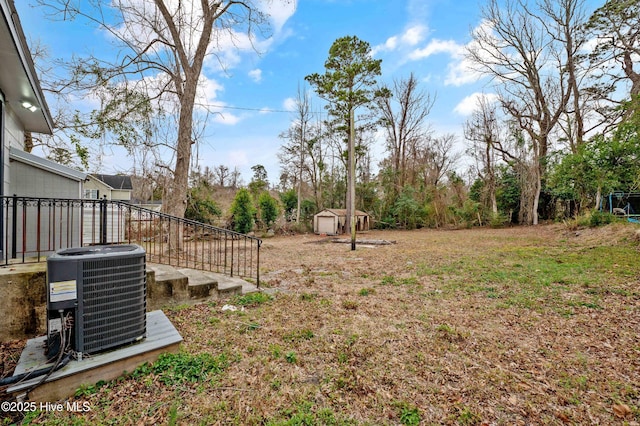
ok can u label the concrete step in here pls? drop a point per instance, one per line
(201, 285)
(233, 286)
(168, 283)
(180, 285)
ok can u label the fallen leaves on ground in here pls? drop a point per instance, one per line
(465, 327)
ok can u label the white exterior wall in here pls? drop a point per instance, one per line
(104, 189)
(122, 195)
(29, 181)
(93, 183)
(14, 131)
(13, 136)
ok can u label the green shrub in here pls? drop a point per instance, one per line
(268, 209)
(599, 218)
(242, 212)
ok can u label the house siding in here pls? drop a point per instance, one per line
(120, 195)
(93, 183)
(106, 190)
(29, 181)
(14, 131)
(13, 136)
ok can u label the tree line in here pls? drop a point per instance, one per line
(558, 129)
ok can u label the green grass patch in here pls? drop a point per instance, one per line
(291, 357)
(252, 299)
(298, 335)
(308, 297)
(391, 280)
(408, 414)
(537, 277)
(366, 291)
(182, 367)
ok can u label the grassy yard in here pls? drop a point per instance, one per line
(536, 325)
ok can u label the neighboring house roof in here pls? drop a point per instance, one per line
(341, 212)
(18, 79)
(44, 164)
(118, 182)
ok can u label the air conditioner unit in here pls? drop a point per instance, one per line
(98, 294)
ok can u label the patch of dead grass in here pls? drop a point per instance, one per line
(428, 340)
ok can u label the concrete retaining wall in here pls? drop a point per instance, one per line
(23, 300)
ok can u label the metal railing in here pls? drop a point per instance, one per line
(33, 228)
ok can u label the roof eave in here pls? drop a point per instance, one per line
(44, 164)
(19, 80)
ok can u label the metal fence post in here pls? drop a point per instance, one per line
(14, 228)
(103, 220)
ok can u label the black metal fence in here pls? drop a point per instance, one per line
(33, 228)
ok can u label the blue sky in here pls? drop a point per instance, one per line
(426, 37)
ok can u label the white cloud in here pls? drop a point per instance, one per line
(459, 69)
(389, 45)
(436, 46)
(409, 38)
(469, 104)
(208, 89)
(279, 11)
(207, 101)
(414, 35)
(461, 72)
(256, 75)
(289, 104)
(226, 118)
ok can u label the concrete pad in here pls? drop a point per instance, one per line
(161, 337)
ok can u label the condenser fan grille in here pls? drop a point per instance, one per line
(113, 302)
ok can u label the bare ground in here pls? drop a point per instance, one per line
(534, 325)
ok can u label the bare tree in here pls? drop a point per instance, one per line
(298, 135)
(222, 174)
(482, 131)
(163, 49)
(236, 178)
(436, 159)
(301, 158)
(566, 28)
(615, 26)
(316, 166)
(404, 119)
(527, 61)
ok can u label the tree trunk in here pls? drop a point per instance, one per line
(536, 198)
(351, 208)
(176, 201)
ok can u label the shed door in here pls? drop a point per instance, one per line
(326, 225)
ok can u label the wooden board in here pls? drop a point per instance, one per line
(161, 337)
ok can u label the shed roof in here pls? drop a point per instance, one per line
(341, 212)
(44, 164)
(120, 182)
